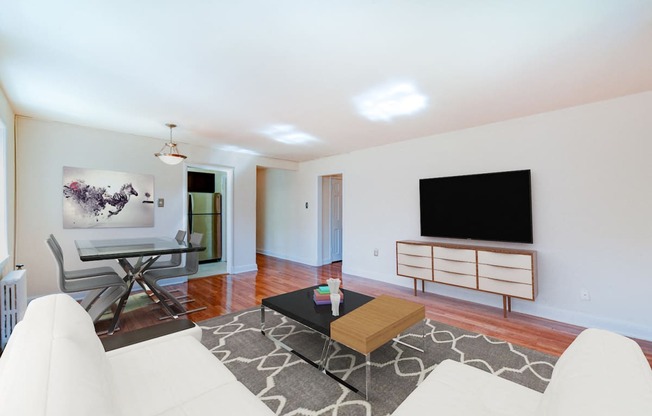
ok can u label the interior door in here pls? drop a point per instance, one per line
(336, 219)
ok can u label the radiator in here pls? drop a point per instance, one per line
(13, 302)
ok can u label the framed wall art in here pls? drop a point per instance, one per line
(107, 199)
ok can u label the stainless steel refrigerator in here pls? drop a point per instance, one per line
(205, 216)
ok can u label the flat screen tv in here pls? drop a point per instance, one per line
(489, 206)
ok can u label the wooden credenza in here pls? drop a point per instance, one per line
(506, 272)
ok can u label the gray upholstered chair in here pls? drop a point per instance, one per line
(104, 285)
(191, 266)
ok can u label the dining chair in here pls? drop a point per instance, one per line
(88, 272)
(175, 259)
(191, 266)
(104, 289)
(75, 274)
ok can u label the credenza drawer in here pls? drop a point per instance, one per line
(521, 261)
(464, 280)
(505, 273)
(414, 249)
(418, 272)
(417, 261)
(501, 287)
(454, 254)
(500, 270)
(454, 266)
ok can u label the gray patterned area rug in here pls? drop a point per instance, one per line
(290, 386)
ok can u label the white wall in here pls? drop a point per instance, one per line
(45, 147)
(592, 206)
(274, 214)
(7, 117)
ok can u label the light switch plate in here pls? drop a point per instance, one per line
(161, 202)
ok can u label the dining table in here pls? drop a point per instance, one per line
(135, 256)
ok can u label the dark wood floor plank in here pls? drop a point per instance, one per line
(224, 294)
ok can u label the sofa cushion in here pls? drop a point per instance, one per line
(178, 377)
(600, 373)
(458, 389)
(54, 363)
(230, 399)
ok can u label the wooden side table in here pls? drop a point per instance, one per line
(375, 323)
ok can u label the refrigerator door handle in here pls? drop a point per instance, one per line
(191, 208)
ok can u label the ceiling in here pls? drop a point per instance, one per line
(298, 79)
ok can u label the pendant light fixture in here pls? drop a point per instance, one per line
(169, 153)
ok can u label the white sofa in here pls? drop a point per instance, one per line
(54, 364)
(601, 373)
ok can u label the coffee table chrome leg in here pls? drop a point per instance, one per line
(324, 354)
(367, 377)
(262, 319)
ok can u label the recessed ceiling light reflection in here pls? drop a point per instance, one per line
(383, 104)
(288, 134)
(237, 149)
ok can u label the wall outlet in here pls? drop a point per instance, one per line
(584, 294)
(376, 252)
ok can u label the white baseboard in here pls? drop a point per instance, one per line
(284, 257)
(588, 321)
(245, 268)
(526, 307)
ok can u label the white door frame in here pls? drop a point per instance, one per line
(324, 220)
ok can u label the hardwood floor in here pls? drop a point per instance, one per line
(229, 293)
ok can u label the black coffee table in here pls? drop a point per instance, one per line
(300, 307)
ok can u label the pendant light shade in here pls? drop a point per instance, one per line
(169, 154)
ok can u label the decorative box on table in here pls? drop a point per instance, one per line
(322, 296)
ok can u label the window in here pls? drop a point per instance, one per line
(4, 175)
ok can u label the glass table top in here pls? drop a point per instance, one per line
(131, 247)
(299, 306)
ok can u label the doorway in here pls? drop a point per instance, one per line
(331, 219)
(208, 211)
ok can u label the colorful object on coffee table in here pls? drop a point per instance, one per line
(324, 299)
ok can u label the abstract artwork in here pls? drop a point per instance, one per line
(105, 199)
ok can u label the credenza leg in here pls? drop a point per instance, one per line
(415, 287)
(423, 286)
(504, 306)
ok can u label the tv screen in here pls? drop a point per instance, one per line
(490, 206)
